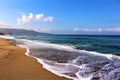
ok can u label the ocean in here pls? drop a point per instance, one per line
(79, 57)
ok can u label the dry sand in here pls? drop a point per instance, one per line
(15, 65)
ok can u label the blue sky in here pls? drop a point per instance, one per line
(63, 16)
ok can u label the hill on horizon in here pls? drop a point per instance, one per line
(20, 31)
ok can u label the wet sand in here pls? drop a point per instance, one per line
(15, 65)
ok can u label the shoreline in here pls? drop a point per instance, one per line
(44, 65)
(95, 62)
(15, 64)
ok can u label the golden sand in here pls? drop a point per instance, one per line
(15, 65)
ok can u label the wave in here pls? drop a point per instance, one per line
(60, 47)
(7, 36)
(46, 66)
(64, 60)
(36, 43)
(84, 65)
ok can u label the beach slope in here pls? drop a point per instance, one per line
(15, 65)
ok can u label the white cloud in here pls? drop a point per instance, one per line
(38, 17)
(100, 29)
(22, 20)
(88, 30)
(48, 19)
(116, 29)
(5, 25)
(76, 29)
(31, 16)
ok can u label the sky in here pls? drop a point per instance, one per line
(62, 16)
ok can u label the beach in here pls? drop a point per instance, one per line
(15, 65)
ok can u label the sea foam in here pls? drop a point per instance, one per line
(85, 65)
(79, 68)
(7, 36)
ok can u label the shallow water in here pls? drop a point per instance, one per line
(61, 55)
(73, 63)
(106, 44)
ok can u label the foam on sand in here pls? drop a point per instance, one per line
(15, 65)
(7, 37)
(85, 65)
(69, 62)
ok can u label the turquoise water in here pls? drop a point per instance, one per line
(80, 57)
(106, 44)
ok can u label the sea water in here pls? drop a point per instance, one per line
(79, 57)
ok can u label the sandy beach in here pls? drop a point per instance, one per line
(15, 65)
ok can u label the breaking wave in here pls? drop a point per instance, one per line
(65, 60)
(69, 62)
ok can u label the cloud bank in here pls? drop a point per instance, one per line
(5, 25)
(31, 17)
(115, 29)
